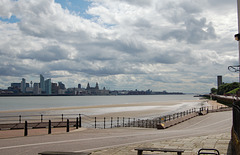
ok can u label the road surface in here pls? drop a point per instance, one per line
(96, 139)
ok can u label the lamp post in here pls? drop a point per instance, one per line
(237, 37)
(238, 10)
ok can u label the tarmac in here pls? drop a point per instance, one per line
(191, 145)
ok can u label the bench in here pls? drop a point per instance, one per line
(140, 150)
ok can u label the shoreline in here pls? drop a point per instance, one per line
(144, 109)
(164, 103)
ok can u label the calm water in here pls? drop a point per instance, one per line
(21, 103)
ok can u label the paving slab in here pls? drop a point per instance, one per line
(191, 145)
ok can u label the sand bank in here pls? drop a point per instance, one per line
(151, 109)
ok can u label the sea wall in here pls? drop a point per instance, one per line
(226, 100)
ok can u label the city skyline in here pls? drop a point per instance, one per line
(49, 88)
(169, 45)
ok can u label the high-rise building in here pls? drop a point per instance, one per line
(36, 89)
(42, 83)
(23, 85)
(61, 85)
(55, 88)
(48, 87)
(219, 81)
(79, 86)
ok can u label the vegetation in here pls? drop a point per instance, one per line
(226, 89)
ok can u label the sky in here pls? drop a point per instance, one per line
(170, 45)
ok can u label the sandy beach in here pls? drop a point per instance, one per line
(149, 110)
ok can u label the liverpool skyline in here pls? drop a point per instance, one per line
(169, 45)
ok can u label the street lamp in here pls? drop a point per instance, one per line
(237, 37)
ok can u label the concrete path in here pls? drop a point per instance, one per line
(191, 145)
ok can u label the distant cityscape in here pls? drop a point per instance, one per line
(47, 88)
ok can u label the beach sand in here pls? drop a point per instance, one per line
(151, 109)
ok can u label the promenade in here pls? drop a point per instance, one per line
(221, 142)
(209, 131)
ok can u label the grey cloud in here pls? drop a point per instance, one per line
(140, 3)
(165, 78)
(191, 7)
(47, 54)
(194, 32)
(16, 69)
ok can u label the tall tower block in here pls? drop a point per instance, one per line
(219, 81)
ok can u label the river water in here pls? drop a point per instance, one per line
(26, 103)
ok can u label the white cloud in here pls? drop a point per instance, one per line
(169, 45)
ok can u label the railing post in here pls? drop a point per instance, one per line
(95, 122)
(67, 125)
(118, 122)
(49, 127)
(128, 122)
(111, 121)
(80, 120)
(77, 123)
(20, 118)
(41, 118)
(26, 129)
(62, 117)
(104, 119)
(123, 122)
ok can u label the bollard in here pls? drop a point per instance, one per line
(49, 127)
(67, 125)
(111, 121)
(104, 122)
(95, 122)
(20, 118)
(26, 129)
(128, 122)
(123, 122)
(77, 123)
(80, 121)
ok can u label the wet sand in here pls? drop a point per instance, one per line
(151, 109)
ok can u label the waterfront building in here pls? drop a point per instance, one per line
(61, 91)
(79, 86)
(55, 88)
(42, 83)
(16, 85)
(29, 90)
(48, 87)
(23, 85)
(36, 89)
(96, 91)
(61, 85)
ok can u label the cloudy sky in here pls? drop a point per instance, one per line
(160, 45)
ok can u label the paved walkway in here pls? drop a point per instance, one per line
(191, 145)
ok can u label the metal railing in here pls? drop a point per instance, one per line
(104, 122)
(236, 118)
